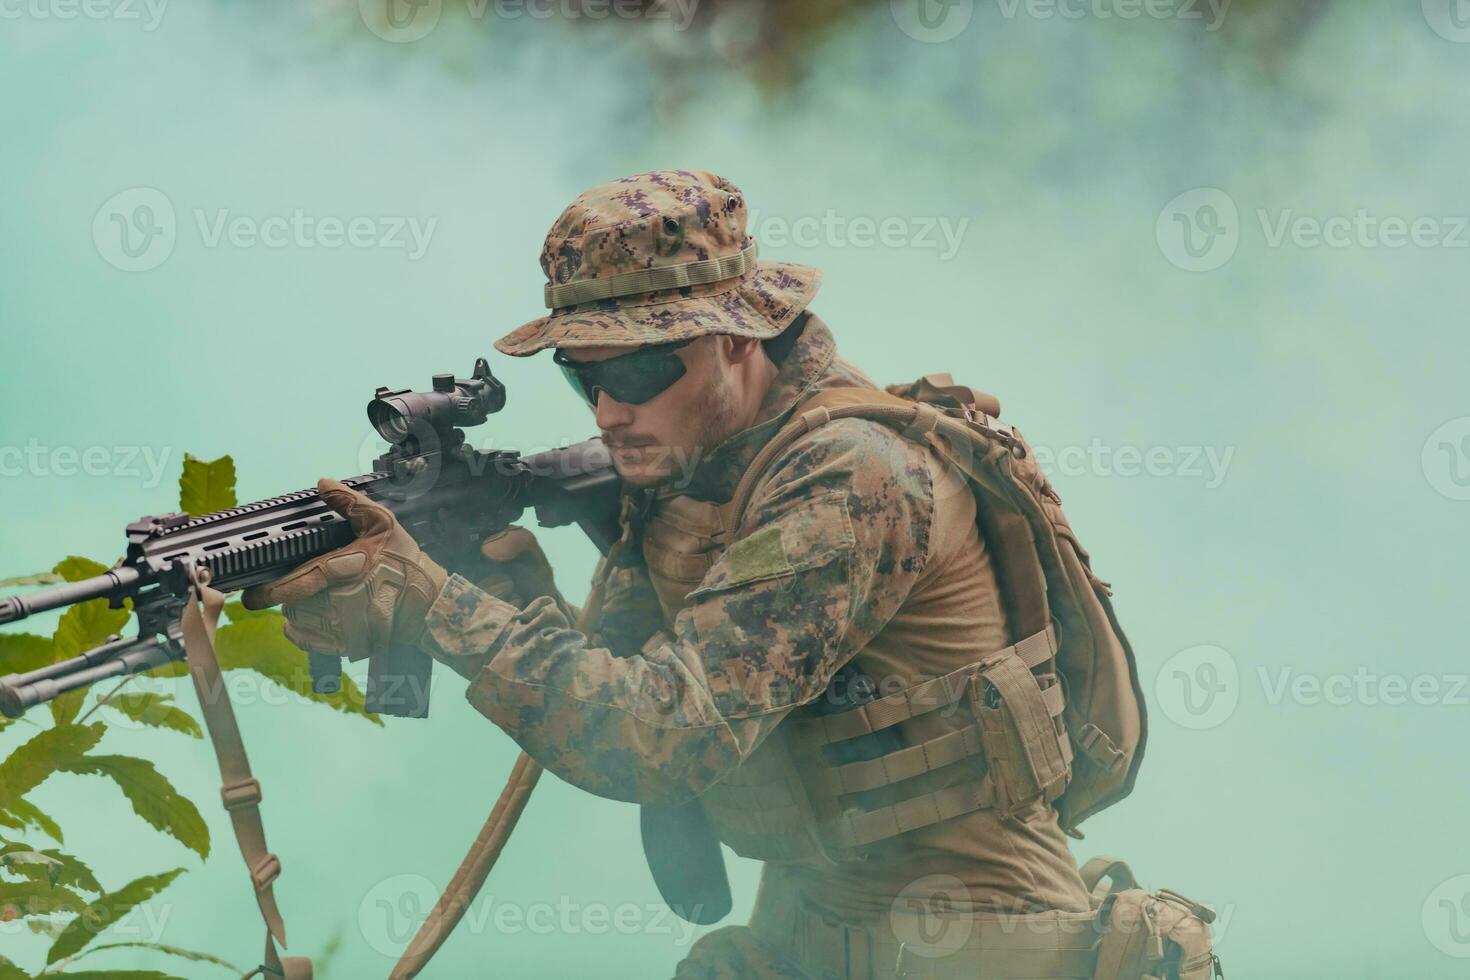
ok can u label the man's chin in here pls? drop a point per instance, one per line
(641, 477)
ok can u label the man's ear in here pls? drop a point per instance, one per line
(741, 348)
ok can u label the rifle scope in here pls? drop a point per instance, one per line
(453, 403)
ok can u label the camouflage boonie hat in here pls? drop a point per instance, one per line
(659, 257)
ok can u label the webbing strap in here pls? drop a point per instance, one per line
(857, 828)
(1104, 868)
(558, 295)
(240, 791)
(926, 756)
(929, 695)
(906, 763)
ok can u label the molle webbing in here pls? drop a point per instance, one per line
(938, 692)
(856, 827)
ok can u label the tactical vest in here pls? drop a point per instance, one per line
(1054, 719)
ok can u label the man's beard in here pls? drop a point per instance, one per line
(713, 421)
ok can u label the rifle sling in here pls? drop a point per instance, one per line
(240, 791)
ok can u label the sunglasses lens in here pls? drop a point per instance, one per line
(631, 379)
(576, 379)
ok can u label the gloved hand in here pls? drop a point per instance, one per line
(520, 569)
(355, 601)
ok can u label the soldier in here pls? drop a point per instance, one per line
(729, 643)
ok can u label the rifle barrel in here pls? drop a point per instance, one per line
(117, 658)
(117, 581)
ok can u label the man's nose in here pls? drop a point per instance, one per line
(611, 413)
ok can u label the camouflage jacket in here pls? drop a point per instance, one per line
(647, 712)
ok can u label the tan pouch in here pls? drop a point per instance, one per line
(1026, 756)
(1159, 935)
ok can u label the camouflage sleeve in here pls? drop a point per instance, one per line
(630, 610)
(836, 537)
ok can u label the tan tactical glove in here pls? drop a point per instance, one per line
(521, 572)
(355, 601)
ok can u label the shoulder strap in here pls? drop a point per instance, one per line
(1103, 868)
(913, 419)
(817, 411)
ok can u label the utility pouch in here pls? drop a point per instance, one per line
(1027, 757)
(1158, 935)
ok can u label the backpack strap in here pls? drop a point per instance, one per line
(1103, 868)
(915, 420)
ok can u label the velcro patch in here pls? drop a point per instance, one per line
(762, 555)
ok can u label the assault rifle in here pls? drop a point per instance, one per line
(447, 494)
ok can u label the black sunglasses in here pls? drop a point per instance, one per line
(632, 378)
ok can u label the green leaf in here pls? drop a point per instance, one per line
(31, 865)
(39, 578)
(47, 751)
(153, 797)
(206, 486)
(23, 652)
(59, 868)
(148, 708)
(97, 916)
(82, 627)
(188, 954)
(257, 643)
(73, 872)
(23, 898)
(50, 928)
(73, 568)
(22, 814)
(237, 612)
(9, 971)
(118, 975)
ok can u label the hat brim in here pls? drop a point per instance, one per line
(759, 304)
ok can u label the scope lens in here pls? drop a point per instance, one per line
(389, 421)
